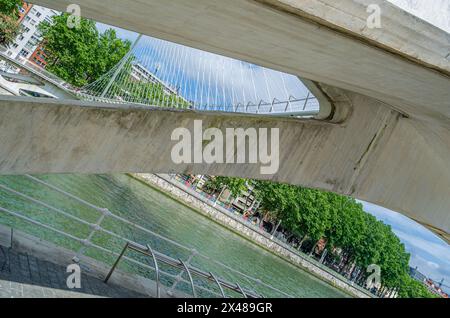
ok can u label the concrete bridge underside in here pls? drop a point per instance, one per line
(384, 137)
(375, 154)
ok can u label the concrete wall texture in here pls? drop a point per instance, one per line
(386, 138)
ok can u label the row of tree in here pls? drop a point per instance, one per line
(359, 237)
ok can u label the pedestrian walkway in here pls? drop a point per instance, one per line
(25, 276)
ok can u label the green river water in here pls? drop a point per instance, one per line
(153, 210)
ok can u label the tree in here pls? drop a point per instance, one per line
(80, 55)
(129, 89)
(10, 7)
(235, 185)
(363, 240)
(280, 200)
(9, 28)
(410, 288)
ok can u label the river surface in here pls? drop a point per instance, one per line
(153, 210)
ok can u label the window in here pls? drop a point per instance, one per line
(38, 14)
(24, 92)
(26, 29)
(15, 45)
(21, 37)
(24, 53)
(37, 61)
(30, 45)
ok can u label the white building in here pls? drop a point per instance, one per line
(140, 73)
(29, 38)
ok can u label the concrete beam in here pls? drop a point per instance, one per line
(404, 64)
(370, 151)
(401, 33)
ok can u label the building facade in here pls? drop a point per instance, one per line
(39, 57)
(23, 11)
(140, 73)
(27, 44)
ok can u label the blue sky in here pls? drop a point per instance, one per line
(428, 252)
(214, 80)
(219, 83)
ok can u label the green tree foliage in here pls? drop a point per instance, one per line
(342, 221)
(10, 7)
(9, 28)
(80, 55)
(234, 185)
(410, 288)
(149, 93)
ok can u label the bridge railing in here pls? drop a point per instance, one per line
(21, 65)
(307, 106)
(101, 234)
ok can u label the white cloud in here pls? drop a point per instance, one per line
(428, 252)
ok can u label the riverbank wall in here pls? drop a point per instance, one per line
(193, 200)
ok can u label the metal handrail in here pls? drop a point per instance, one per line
(93, 245)
(155, 262)
(242, 291)
(38, 71)
(180, 265)
(157, 256)
(186, 269)
(218, 284)
(105, 211)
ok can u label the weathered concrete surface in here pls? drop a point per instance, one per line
(391, 148)
(401, 33)
(374, 154)
(404, 63)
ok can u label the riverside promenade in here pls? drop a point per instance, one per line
(222, 216)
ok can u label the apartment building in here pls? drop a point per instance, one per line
(140, 73)
(27, 44)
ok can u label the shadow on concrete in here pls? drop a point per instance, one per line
(23, 275)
